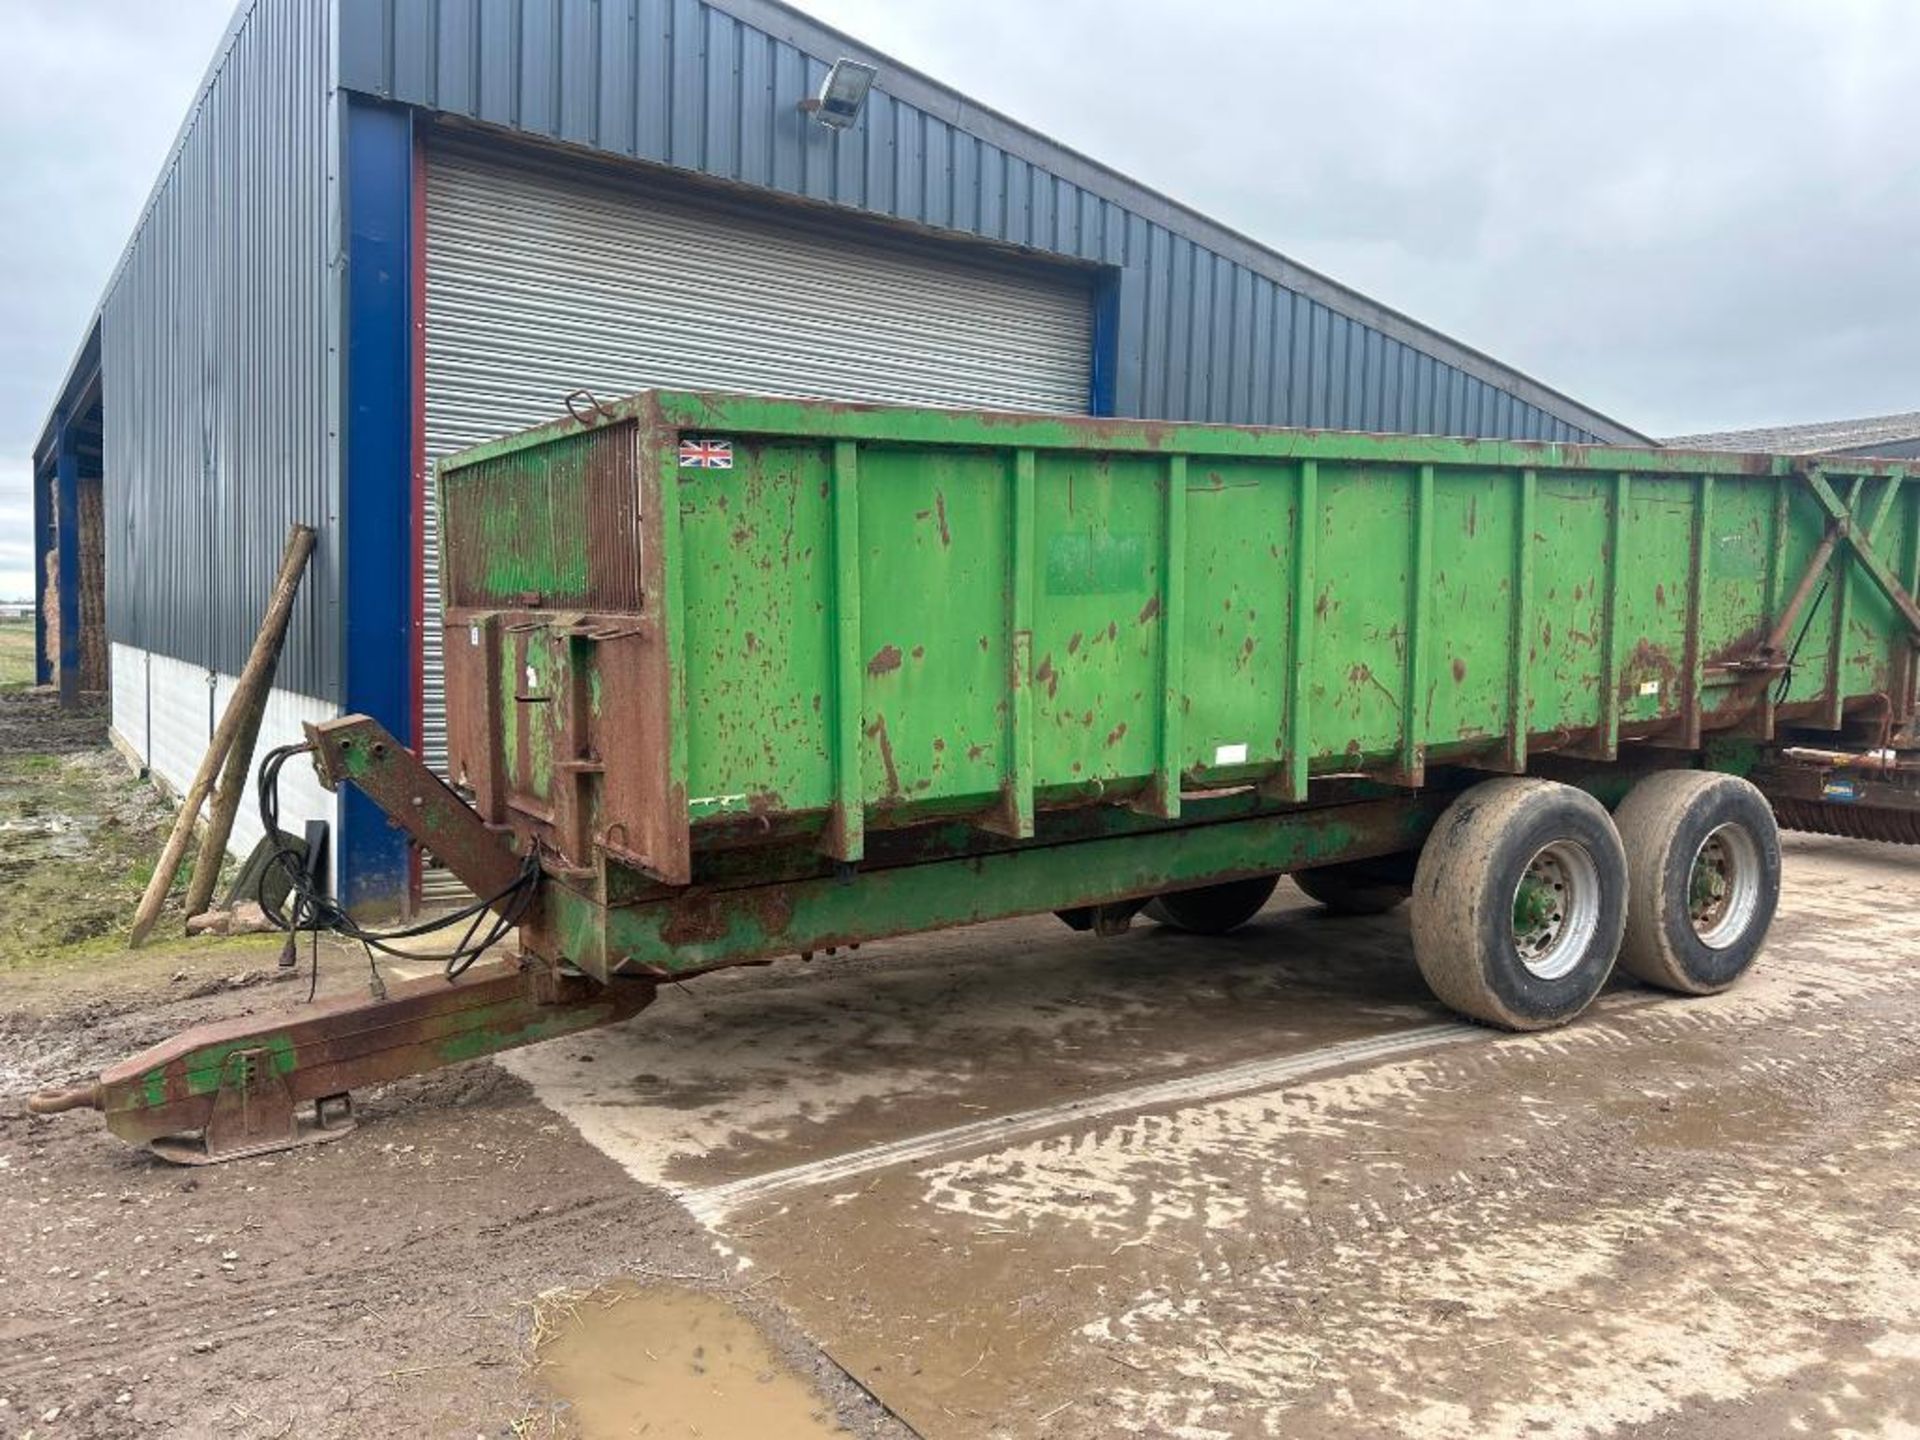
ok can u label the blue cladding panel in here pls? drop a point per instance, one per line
(215, 370)
(713, 89)
(67, 481)
(1106, 347)
(42, 545)
(378, 471)
(415, 48)
(582, 51)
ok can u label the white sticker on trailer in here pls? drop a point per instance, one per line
(1230, 754)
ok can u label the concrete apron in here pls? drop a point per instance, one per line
(1024, 1182)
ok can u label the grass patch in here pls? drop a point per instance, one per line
(78, 836)
(16, 654)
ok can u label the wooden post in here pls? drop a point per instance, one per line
(249, 696)
(226, 802)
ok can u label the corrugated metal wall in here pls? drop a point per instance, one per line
(543, 279)
(1210, 326)
(215, 364)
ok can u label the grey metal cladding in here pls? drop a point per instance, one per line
(1210, 324)
(214, 359)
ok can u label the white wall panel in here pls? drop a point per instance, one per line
(127, 682)
(162, 713)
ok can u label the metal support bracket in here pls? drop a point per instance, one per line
(1105, 921)
(254, 1114)
(359, 748)
(1841, 523)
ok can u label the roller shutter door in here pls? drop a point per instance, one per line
(541, 280)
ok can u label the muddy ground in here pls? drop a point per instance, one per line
(1013, 1182)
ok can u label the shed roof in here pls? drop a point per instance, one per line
(1826, 437)
(379, 52)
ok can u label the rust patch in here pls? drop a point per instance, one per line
(1150, 610)
(773, 907)
(1362, 674)
(877, 732)
(974, 752)
(940, 509)
(695, 920)
(919, 652)
(1046, 675)
(1649, 659)
(888, 659)
(1073, 642)
(1749, 645)
(1459, 670)
(1115, 735)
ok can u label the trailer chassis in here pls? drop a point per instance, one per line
(245, 1087)
(595, 945)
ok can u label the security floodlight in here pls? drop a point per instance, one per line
(842, 94)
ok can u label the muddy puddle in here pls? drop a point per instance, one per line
(628, 1360)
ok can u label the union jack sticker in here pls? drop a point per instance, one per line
(706, 453)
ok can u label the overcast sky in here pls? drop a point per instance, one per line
(1690, 216)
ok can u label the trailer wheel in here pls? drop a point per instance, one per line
(1519, 902)
(1359, 887)
(1213, 909)
(1703, 861)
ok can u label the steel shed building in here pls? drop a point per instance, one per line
(389, 228)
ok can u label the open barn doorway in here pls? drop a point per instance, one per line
(71, 573)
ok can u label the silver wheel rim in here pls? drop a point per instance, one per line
(1723, 886)
(1556, 909)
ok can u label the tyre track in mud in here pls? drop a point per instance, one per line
(386, 1266)
(171, 1322)
(1329, 1258)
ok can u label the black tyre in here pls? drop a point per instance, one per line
(1359, 887)
(1519, 902)
(1703, 865)
(1213, 909)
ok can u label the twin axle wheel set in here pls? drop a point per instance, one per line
(1528, 891)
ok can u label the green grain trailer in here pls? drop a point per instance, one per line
(731, 678)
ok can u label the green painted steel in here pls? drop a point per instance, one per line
(705, 929)
(877, 616)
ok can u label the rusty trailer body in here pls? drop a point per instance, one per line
(701, 644)
(754, 677)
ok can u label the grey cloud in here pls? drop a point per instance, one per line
(1690, 216)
